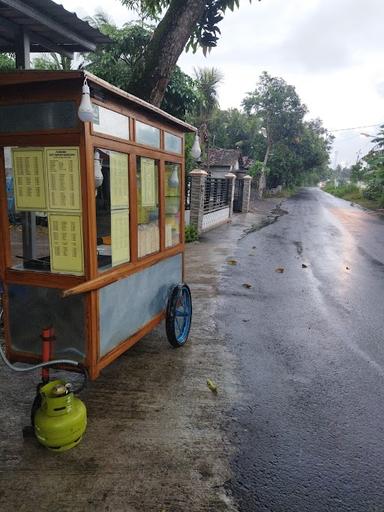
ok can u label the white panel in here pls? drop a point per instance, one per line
(213, 218)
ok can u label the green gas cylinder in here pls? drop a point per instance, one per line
(61, 420)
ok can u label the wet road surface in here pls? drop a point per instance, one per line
(309, 431)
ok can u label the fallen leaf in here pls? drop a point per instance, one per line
(232, 262)
(280, 270)
(246, 285)
(212, 386)
(303, 265)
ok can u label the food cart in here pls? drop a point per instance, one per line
(91, 218)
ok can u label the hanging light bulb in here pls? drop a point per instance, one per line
(174, 178)
(98, 173)
(196, 150)
(85, 111)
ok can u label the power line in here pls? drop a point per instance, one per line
(355, 128)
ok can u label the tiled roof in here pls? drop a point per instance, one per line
(219, 157)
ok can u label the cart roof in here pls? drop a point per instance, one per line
(33, 76)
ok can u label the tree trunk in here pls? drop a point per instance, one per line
(262, 179)
(167, 43)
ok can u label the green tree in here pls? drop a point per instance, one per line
(207, 81)
(185, 24)
(116, 63)
(7, 62)
(279, 107)
(374, 174)
(235, 129)
(52, 61)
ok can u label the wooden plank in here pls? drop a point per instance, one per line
(4, 223)
(54, 138)
(121, 272)
(92, 333)
(162, 204)
(42, 279)
(133, 233)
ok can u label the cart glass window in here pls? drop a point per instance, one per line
(44, 209)
(112, 208)
(172, 203)
(148, 206)
(172, 143)
(32, 117)
(110, 122)
(148, 135)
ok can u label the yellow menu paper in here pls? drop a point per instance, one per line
(63, 178)
(118, 163)
(148, 182)
(66, 243)
(29, 179)
(120, 236)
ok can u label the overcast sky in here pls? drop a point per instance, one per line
(331, 51)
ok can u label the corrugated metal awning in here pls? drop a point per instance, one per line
(49, 26)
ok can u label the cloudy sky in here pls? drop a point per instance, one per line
(331, 51)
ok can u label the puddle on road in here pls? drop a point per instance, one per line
(277, 212)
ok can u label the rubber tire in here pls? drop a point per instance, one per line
(170, 315)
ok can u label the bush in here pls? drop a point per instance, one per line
(191, 234)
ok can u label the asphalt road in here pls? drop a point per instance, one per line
(309, 430)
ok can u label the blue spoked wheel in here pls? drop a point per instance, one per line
(179, 315)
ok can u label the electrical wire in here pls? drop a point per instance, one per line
(355, 128)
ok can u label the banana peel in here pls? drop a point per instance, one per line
(212, 386)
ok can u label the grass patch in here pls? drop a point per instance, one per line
(191, 234)
(286, 192)
(353, 194)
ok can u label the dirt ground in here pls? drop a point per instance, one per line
(156, 437)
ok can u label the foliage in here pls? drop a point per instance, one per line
(255, 169)
(234, 129)
(207, 81)
(205, 33)
(353, 193)
(7, 62)
(52, 61)
(116, 63)
(298, 150)
(191, 234)
(278, 105)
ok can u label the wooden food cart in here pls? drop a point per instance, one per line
(91, 218)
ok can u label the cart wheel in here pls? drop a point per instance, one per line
(179, 315)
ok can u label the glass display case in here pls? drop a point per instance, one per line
(92, 216)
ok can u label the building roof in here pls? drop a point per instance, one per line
(219, 157)
(95, 83)
(50, 27)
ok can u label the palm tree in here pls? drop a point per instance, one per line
(207, 81)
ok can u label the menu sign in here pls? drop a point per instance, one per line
(29, 182)
(63, 179)
(120, 236)
(65, 235)
(119, 180)
(148, 182)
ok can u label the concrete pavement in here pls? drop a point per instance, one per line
(155, 439)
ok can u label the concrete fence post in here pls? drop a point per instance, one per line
(198, 177)
(247, 180)
(231, 190)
